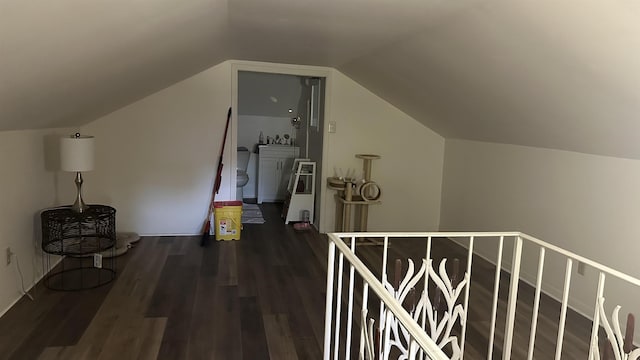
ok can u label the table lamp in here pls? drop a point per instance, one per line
(76, 155)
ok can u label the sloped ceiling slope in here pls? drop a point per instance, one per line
(67, 62)
(550, 73)
(557, 74)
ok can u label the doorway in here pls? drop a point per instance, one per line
(283, 114)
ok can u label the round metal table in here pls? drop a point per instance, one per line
(81, 238)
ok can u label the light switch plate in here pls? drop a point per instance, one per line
(332, 126)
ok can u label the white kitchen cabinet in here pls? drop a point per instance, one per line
(274, 167)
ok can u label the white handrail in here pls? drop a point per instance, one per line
(482, 234)
(328, 311)
(512, 300)
(416, 325)
(401, 314)
(494, 307)
(563, 310)
(536, 304)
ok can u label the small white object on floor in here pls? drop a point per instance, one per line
(124, 241)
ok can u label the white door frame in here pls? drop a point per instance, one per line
(288, 69)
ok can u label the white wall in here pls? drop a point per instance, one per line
(249, 127)
(28, 183)
(156, 157)
(410, 170)
(584, 203)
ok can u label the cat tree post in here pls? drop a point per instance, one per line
(366, 194)
(364, 209)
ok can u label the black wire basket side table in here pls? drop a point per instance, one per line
(83, 239)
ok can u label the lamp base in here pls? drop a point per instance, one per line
(79, 205)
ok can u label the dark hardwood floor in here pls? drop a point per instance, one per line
(258, 298)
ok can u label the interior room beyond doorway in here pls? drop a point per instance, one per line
(280, 117)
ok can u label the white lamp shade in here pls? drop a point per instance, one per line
(77, 153)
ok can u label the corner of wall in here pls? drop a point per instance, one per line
(30, 183)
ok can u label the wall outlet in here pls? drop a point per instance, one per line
(97, 261)
(332, 127)
(581, 267)
(9, 255)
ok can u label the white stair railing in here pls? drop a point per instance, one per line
(424, 330)
(419, 344)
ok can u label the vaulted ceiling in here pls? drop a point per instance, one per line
(561, 74)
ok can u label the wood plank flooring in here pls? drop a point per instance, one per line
(258, 298)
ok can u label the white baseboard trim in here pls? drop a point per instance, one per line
(29, 289)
